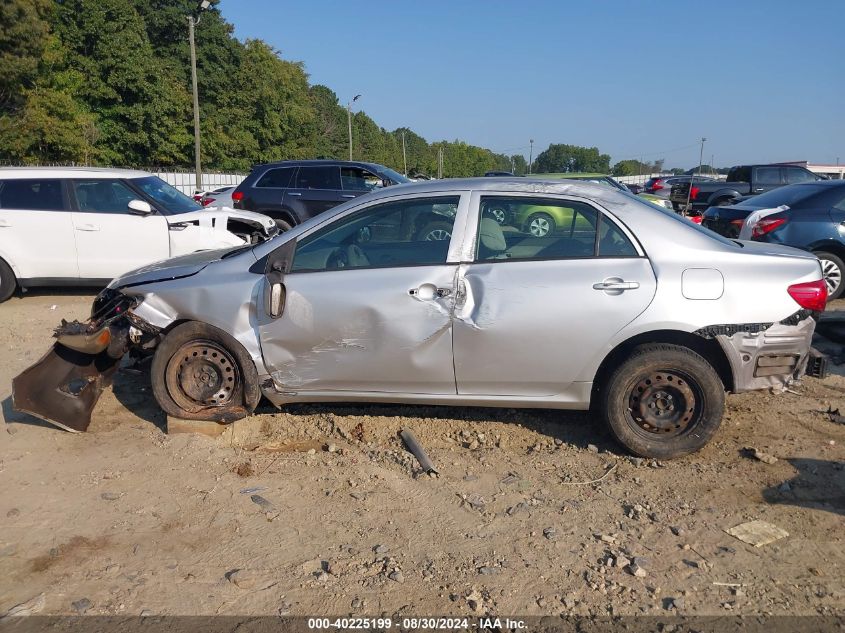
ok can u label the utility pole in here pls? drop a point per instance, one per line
(404, 156)
(530, 155)
(193, 21)
(692, 180)
(349, 121)
(439, 162)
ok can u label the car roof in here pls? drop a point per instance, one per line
(318, 161)
(70, 172)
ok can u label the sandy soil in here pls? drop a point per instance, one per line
(126, 519)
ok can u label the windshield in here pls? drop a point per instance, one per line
(395, 176)
(168, 198)
(788, 195)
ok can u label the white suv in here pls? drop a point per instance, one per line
(85, 226)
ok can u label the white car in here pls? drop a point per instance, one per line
(219, 198)
(86, 226)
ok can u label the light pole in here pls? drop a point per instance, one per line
(349, 121)
(193, 20)
(530, 154)
(692, 180)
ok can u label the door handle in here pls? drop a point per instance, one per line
(294, 193)
(87, 227)
(348, 195)
(427, 292)
(608, 284)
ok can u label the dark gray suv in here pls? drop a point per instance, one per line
(292, 191)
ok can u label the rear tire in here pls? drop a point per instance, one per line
(201, 373)
(664, 401)
(8, 283)
(833, 269)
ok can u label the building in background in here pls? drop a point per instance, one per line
(831, 171)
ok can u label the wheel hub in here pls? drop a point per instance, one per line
(201, 374)
(662, 403)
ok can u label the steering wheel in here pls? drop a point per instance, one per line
(347, 257)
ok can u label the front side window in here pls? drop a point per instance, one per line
(103, 196)
(794, 175)
(358, 179)
(276, 178)
(167, 198)
(34, 195)
(318, 178)
(515, 228)
(405, 233)
(768, 175)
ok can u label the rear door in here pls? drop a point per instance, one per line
(767, 178)
(36, 229)
(533, 311)
(316, 189)
(111, 239)
(268, 192)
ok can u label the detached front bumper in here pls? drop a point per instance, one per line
(775, 355)
(63, 387)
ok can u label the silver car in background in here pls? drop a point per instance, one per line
(624, 308)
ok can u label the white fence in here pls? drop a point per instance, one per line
(185, 181)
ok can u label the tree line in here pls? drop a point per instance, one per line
(107, 82)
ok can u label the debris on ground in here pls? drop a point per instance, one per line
(270, 511)
(418, 451)
(30, 607)
(834, 415)
(81, 606)
(757, 533)
(759, 455)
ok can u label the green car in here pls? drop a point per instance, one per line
(539, 221)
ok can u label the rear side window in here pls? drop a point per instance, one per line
(522, 228)
(318, 178)
(278, 178)
(34, 195)
(768, 175)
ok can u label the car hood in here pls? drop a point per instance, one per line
(219, 216)
(174, 268)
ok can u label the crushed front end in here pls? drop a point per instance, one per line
(63, 387)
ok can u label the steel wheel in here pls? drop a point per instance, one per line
(202, 374)
(540, 225)
(437, 235)
(664, 403)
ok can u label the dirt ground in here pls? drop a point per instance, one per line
(533, 513)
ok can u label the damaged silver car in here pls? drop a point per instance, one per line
(623, 308)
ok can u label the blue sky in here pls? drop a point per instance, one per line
(762, 80)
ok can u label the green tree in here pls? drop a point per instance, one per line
(571, 158)
(631, 167)
(24, 29)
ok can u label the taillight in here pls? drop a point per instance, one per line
(693, 192)
(766, 225)
(657, 185)
(237, 196)
(206, 201)
(811, 295)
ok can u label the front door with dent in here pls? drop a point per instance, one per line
(534, 310)
(368, 304)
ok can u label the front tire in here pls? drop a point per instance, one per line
(664, 401)
(435, 232)
(832, 270)
(201, 373)
(8, 283)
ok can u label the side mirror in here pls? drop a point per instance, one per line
(140, 207)
(276, 294)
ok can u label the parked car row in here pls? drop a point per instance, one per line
(624, 307)
(84, 226)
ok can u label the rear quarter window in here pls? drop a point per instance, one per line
(276, 178)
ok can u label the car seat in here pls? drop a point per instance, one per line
(491, 240)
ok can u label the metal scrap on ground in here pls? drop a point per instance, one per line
(418, 451)
(757, 533)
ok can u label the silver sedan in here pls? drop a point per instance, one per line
(416, 294)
